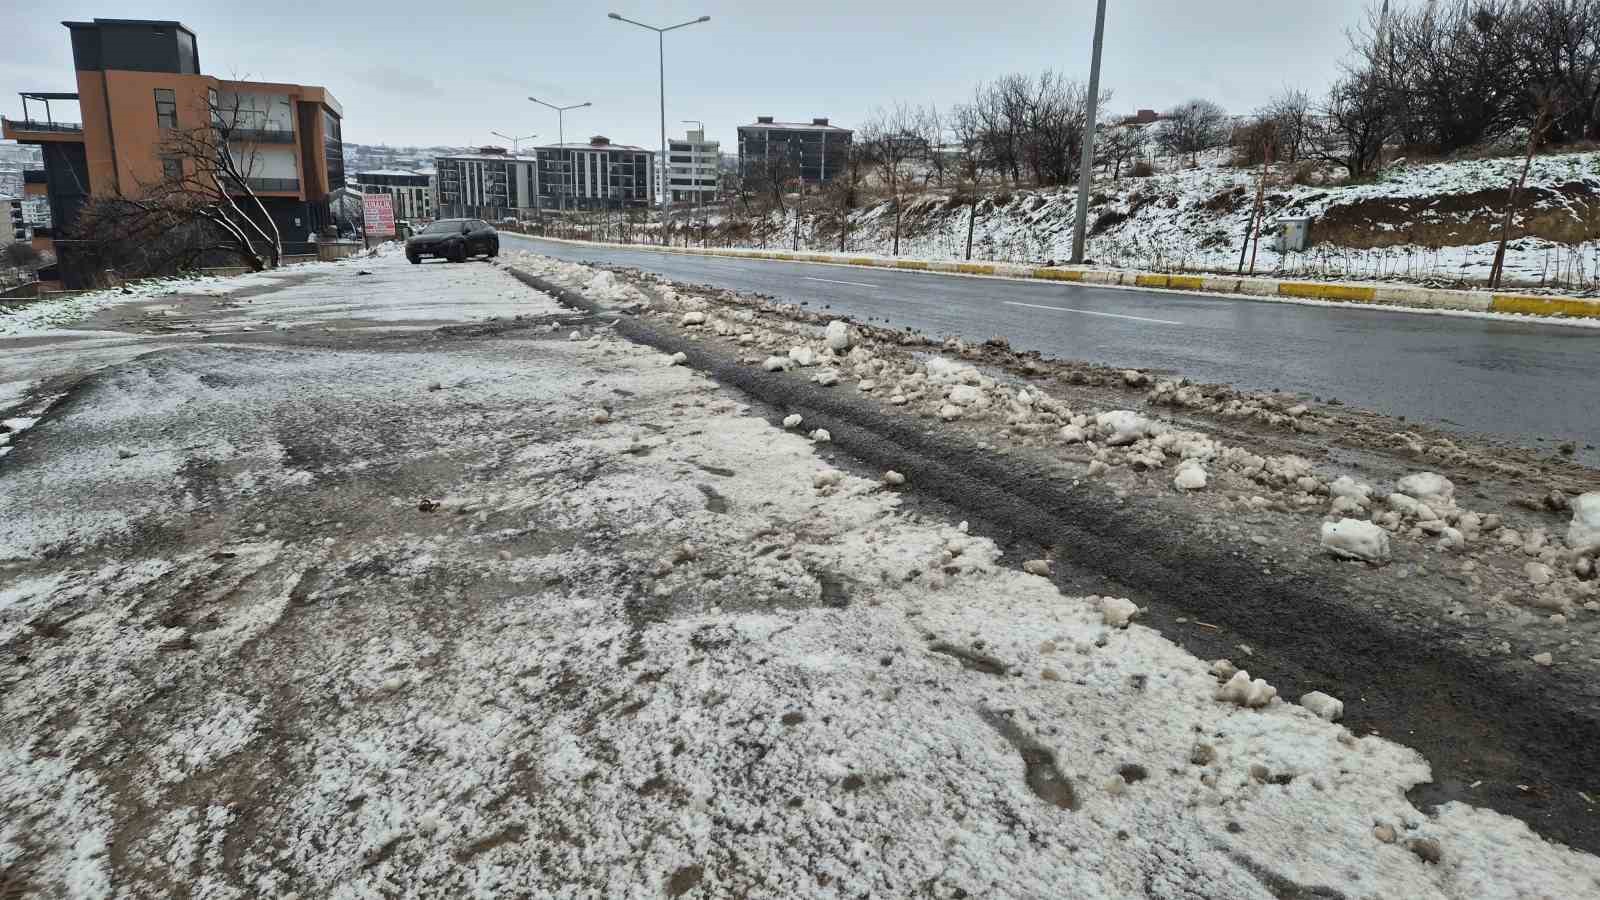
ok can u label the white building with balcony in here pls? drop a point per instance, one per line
(694, 168)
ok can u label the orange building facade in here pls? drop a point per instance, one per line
(139, 82)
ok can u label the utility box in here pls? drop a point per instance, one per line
(1294, 233)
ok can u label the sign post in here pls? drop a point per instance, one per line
(377, 215)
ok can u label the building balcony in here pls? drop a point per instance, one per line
(273, 185)
(33, 131)
(262, 135)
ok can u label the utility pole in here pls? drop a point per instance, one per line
(561, 140)
(661, 61)
(1087, 160)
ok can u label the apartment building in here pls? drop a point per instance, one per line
(595, 175)
(411, 192)
(139, 82)
(490, 184)
(694, 168)
(814, 152)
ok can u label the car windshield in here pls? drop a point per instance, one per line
(448, 226)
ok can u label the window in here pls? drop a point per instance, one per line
(171, 168)
(166, 108)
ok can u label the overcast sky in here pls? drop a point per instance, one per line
(411, 72)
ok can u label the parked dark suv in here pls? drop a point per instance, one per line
(454, 239)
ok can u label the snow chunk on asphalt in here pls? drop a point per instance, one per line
(941, 370)
(949, 412)
(1434, 490)
(680, 358)
(792, 421)
(838, 336)
(1123, 426)
(1245, 692)
(821, 436)
(1323, 706)
(1072, 434)
(803, 356)
(826, 377)
(776, 364)
(694, 318)
(1117, 611)
(964, 395)
(827, 478)
(892, 477)
(1583, 536)
(1039, 567)
(1355, 539)
(1191, 477)
(1352, 490)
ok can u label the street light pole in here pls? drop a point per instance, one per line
(661, 50)
(516, 142)
(1087, 160)
(561, 140)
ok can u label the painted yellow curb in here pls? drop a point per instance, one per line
(1319, 291)
(1545, 306)
(1055, 274)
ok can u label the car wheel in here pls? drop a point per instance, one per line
(415, 259)
(494, 249)
(458, 253)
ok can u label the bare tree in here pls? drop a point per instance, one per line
(892, 142)
(1548, 108)
(841, 194)
(1291, 114)
(1359, 117)
(1122, 144)
(1191, 127)
(20, 255)
(931, 129)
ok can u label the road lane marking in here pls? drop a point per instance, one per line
(1088, 312)
(832, 281)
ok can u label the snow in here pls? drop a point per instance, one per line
(1430, 488)
(1122, 426)
(792, 421)
(1191, 477)
(821, 436)
(1248, 693)
(777, 364)
(539, 689)
(1323, 706)
(893, 478)
(1583, 535)
(1355, 539)
(1117, 611)
(838, 336)
(804, 357)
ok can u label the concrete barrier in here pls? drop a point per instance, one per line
(1373, 295)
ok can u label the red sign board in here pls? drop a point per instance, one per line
(379, 212)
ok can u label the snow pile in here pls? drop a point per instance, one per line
(1117, 611)
(1191, 476)
(838, 336)
(1323, 706)
(1241, 690)
(1583, 535)
(1122, 426)
(1355, 539)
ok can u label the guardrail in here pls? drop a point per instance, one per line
(33, 125)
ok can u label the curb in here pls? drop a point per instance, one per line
(1371, 295)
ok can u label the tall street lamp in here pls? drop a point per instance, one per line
(661, 50)
(561, 140)
(516, 142)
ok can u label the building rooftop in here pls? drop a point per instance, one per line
(406, 172)
(795, 126)
(586, 145)
(492, 157)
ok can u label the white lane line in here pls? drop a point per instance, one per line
(1088, 312)
(832, 281)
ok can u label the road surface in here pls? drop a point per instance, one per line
(1512, 382)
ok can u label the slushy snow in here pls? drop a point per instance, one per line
(1355, 539)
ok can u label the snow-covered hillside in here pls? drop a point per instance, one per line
(1436, 222)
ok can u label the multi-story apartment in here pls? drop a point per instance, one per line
(814, 152)
(139, 84)
(693, 168)
(489, 184)
(596, 175)
(412, 192)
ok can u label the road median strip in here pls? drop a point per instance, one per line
(1373, 295)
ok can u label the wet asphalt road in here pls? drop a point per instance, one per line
(1533, 385)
